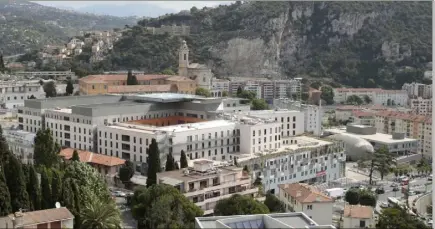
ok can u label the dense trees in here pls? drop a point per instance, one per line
(45, 149)
(154, 166)
(202, 92)
(170, 162)
(126, 172)
(354, 100)
(256, 103)
(46, 200)
(168, 71)
(163, 206)
(327, 94)
(75, 156)
(259, 104)
(50, 89)
(240, 205)
(183, 160)
(2, 64)
(100, 214)
(5, 196)
(356, 196)
(16, 182)
(274, 204)
(398, 217)
(33, 189)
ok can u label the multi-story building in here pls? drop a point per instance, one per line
(303, 159)
(13, 94)
(219, 87)
(55, 75)
(346, 112)
(416, 90)
(312, 113)
(265, 88)
(232, 105)
(207, 182)
(415, 126)
(378, 96)
(365, 118)
(305, 198)
(263, 221)
(421, 106)
(397, 143)
(20, 143)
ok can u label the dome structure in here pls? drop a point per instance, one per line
(354, 144)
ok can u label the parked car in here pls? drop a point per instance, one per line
(393, 185)
(384, 205)
(395, 189)
(120, 194)
(380, 191)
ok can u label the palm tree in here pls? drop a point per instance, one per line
(100, 214)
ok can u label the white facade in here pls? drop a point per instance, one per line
(421, 106)
(378, 96)
(357, 216)
(21, 144)
(303, 159)
(218, 87)
(204, 186)
(12, 95)
(416, 90)
(306, 199)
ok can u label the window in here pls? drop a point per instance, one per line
(310, 207)
(362, 223)
(185, 56)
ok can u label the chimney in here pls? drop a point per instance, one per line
(298, 193)
(18, 219)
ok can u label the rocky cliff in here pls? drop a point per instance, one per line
(354, 43)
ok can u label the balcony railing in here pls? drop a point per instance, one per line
(196, 191)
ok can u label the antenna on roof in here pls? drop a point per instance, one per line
(57, 205)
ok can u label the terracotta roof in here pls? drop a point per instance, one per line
(378, 90)
(358, 113)
(179, 78)
(352, 107)
(358, 211)
(404, 116)
(142, 88)
(45, 216)
(120, 77)
(95, 158)
(305, 193)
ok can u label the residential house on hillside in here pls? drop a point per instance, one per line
(50, 218)
(358, 216)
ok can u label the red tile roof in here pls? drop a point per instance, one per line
(370, 107)
(95, 158)
(404, 116)
(358, 113)
(305, 193)
(179, 78)
(358, 211)
(44, 216)
(378, 90)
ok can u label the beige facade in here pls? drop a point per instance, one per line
(207, 182)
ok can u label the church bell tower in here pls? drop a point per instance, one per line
(183, 59)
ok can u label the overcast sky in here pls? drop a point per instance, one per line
(173, 5)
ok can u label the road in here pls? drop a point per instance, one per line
(126, 216)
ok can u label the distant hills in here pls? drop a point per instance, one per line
(136, 9)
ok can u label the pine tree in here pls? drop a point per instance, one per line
(183, 160)
(75, 156)
(4, 148)
(5, 196)
(46, 200)
(153, 163)
(17, 184)
(33, 189)
(56, 186)
(45, 149)
(69, 88)
(170, 162)
(131, 79)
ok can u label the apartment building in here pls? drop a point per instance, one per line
(219, 87)
(265, 88)
(54, 75)
(303, 159)
(312, 113)
(263, 221)
(416, 90)
(421, 106)
(346, 112)
(13, 94)
(358, 216)
(414, 126)
(378, 96)
(207, 182)
(397, 143)
(20, 144)
(233, 105)
(305, 198)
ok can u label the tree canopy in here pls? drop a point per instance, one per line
(240, 205)
(16, 182)
(46, 150)
(131, 79)
(50, 89)
(154, 166)
(163, 206)
(126, 172)
(274, 204)
(397, 217)
(170, 162)
(183, 160)
(69, 88)
(202, 92)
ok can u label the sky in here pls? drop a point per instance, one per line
(172, 5)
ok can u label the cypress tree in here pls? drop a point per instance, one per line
(17, 184)
(69, 88)
(45, 149)
(2, 64)
(56, 186)
(4, 148)
(183, 160)
(75, 156)
(34, 189)
(153, 163)
(170, 162)
(46, 200)
(5, 196)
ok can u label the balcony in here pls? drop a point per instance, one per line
(195, 191)
(241, 190)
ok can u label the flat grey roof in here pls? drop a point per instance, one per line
(164, 97)
(66, 101)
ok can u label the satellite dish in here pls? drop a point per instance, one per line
(57, 205)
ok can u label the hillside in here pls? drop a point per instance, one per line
(360, 44)
(26, 25)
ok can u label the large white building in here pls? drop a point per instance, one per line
(13, 94)
(303, 159)
(416, 90)
(206, 182)
(421, 106)
(378, 96)
(305, 198)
